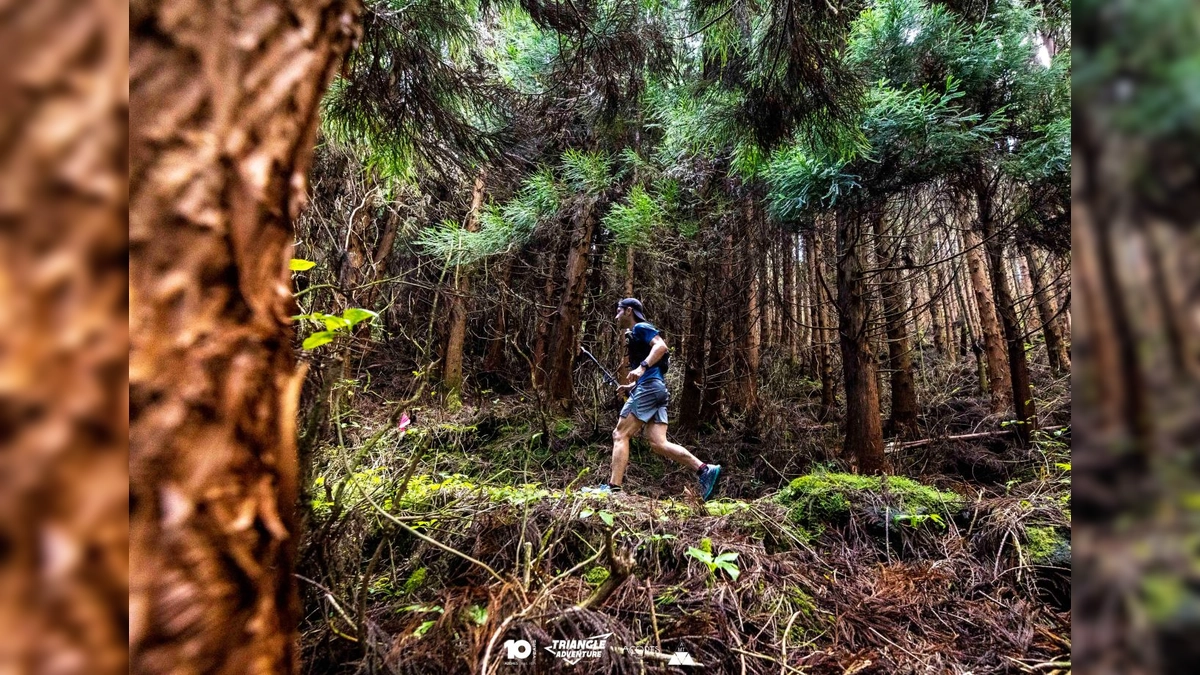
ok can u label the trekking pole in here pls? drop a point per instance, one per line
(608, 378)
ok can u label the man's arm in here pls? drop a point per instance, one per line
(658, 347)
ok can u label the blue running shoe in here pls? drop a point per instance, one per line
(708, 480)
(602, 489)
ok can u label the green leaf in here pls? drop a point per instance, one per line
(421, 608)
(703, 556)
(334, 322)
(731, 569)
(423, 629)
(477, 614)
(726, 557)
(607, 518)
(300, 264)
(356, 315)
(585, 513)
(317, 339)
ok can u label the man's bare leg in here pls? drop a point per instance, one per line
(627, 428)
(656, 434)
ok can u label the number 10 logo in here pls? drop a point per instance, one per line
(518, 649)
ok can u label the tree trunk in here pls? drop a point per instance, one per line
(743, 394)
(379, 261)
(864, 431)
(936, 319)
(788, 327)
(452, 376)
(1062, 289)
(566, 331)
(1026, 299)
(1000, 385)
(802, 304)
(693, 386)
(493, 361)
(1182, 365)
(1135, 413)
(629, 271)
(966, 323)
(1056, 348)
(891, 285)
(1006, 305)
(770, 296)
(354, 256)
(225, 108)
(820, 335)
(64, 506)
(717, 370)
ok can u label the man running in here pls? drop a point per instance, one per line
(647, 403)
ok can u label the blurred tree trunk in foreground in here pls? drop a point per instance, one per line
(64, 572)
(224, 115)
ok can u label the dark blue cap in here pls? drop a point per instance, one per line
(636, 306)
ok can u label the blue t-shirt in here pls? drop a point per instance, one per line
(640, 338)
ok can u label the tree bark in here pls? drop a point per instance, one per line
(1180, 358)
(225, 105)
(1056, 348)
(891, 285)
(1000, 385)
(864, 431)
(820, 335)
(717, 369)
(354, 256)
(936, 319)
(64, 505)
(743, 394)
(452, 377)
(629, 271)
(544, 322)
(493, 361)
(693, 375)
(788, 327)
(565, 343)
(966, 324)
(1006, 305)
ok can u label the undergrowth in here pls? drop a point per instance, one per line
(434, 571)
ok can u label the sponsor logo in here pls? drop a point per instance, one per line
(682, 659)
(516, 650)
(574, 651)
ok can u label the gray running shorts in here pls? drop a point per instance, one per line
(648, 402)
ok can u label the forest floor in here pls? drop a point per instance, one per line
(437, 546)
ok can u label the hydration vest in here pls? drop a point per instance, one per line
(638, 351)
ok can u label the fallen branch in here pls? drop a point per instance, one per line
(893, 447)
(620, 566)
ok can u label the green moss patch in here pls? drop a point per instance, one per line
(818, 499)
(595, 576)
(1047, 546)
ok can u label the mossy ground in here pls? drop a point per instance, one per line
(812, 565)
(1047, 546)
(823, 498)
